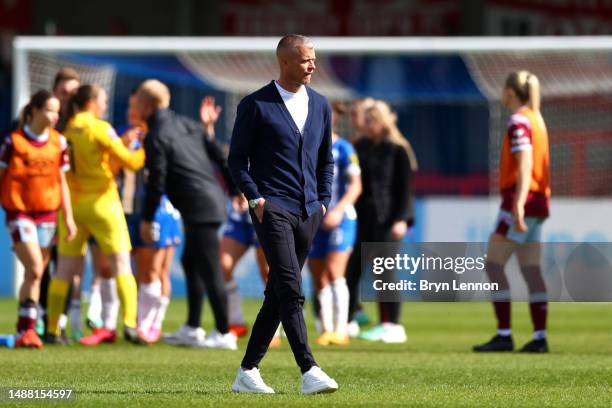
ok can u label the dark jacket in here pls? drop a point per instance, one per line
(270, 158)
(385, 175)
(179, 160)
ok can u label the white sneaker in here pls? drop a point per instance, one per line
(315, 381)
(186, 336)
(221, 341)
(250, 381)
(393, 333)
(352, 329)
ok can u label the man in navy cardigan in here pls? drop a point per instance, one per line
(281, 159)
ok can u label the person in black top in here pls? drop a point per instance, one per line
(384, 209)
(179, 159)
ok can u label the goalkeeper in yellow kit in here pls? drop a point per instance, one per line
(97, 207)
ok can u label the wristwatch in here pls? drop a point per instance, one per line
(253, 203)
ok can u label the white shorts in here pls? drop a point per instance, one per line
(505, 226)
(24, 230)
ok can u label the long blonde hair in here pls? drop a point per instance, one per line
(383, 114)
(526, 87)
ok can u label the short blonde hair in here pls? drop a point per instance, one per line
(156, 91)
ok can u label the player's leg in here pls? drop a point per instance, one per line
(262, 263)
(324, 295)
(341, 246)
(33, 259)
(94, 310)
(322, 288)
(499, 251)
(336, 267)
(67, 267)
(105, 330)
(107, 333)
(166, 281)
(529, 257)
(149, 262)
(109, 228)
(353, 275)
(128, 294)
(70, 262)
(74, 309)
(164, 301)
(230, 252)
(174, 238)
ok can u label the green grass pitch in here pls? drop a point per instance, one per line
(435, 368)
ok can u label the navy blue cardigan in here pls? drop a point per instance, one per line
(270, 158)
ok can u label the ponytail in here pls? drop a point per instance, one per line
(533, 84)
(38, 101)
(526, 87)
(79, 100)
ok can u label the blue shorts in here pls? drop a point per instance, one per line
(241, 231)
(166, 225)
(340, 239)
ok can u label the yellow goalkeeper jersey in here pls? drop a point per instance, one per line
(92, 142)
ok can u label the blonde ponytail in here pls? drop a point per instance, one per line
(533, 84)
(526, 87)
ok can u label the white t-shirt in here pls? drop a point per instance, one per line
(296, 103)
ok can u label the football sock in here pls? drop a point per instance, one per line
(27, 315)
(326, 300)
(94, 310)
(110, 303)
(164, 301)
(149, 295)
(128, 296)
(234, 303)
(341, 305)
(56, 299)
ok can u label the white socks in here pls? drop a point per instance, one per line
(326, 300)
(539, 334)
(149, 295)
(234, 303)
(110, 303)
(334, 301)
(161, 312)
(94, 311)
(341, 305)
(504, 332)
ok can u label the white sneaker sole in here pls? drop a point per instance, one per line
(173, 341)
(232, 347)
(237, 387)
(394, 340)
(323, 389)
